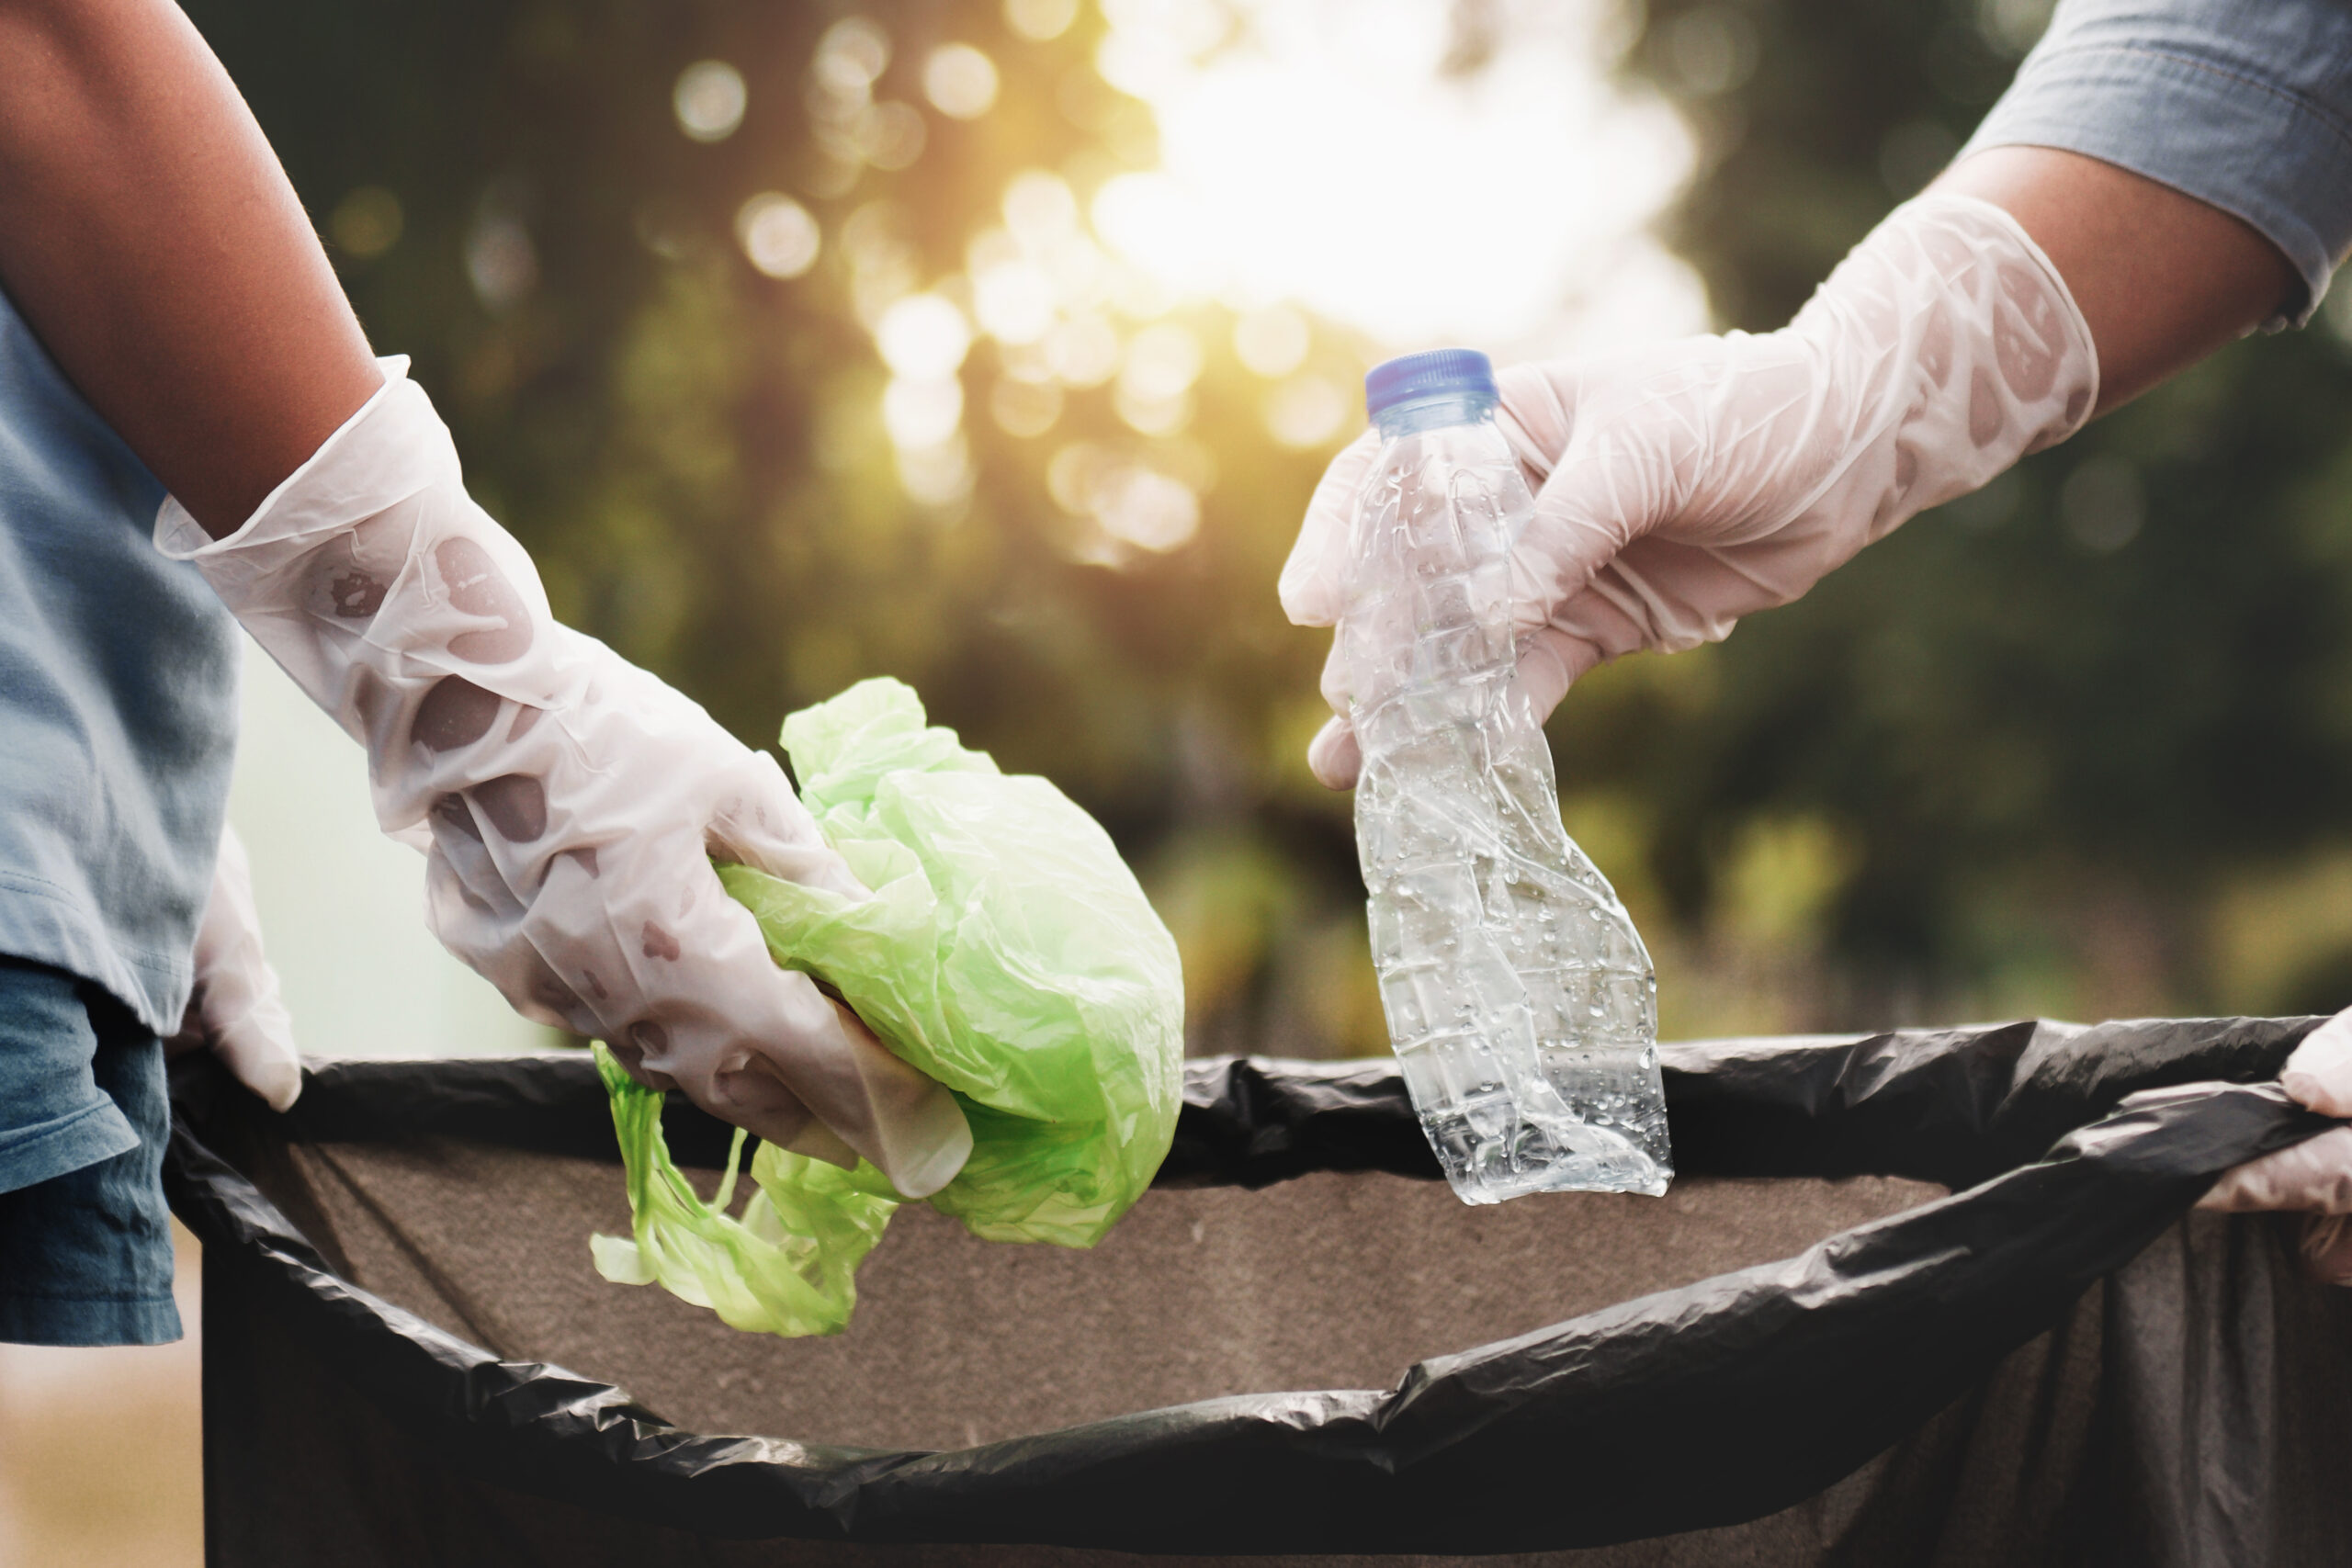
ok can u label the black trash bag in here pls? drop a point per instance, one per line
(2048, 1365)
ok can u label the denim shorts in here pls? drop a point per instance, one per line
(85, 1240)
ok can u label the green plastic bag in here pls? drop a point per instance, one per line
(1006, 951)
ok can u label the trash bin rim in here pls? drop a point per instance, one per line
(1331, 1470)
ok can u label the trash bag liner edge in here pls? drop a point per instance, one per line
(1478, 1451)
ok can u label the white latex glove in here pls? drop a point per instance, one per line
(2316, 1176)
(235, 1010)
(568, 802)
(1680, 486)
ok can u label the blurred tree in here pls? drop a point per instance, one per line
(781, 335)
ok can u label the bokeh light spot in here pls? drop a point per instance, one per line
(1132, 503)
(778, 234)
(1025, 408)
(709, 100)
(1039, 207)
(1162, 362)
(1014, 300)
(1083, 351)
(1070, 477)
(923, 337)
(366, 222)
(1273, 342)
(890, 136)
(1149, 510)
(919, 413)
(2012, 27)
(1038, 20)
(938, 475)
(959, 81)
(501, 262)
(1153, 416)
(1307, 412)
(1710, 50)
(853, 53)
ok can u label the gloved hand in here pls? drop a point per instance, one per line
(1681, 486)
(234, 1010)
(2316, 1176)
(569, 803)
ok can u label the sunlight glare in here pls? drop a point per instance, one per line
(1321, 157)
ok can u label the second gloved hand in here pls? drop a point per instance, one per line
(2316, 1176)
(235, 1010)
(1683, 485)
(569, 803)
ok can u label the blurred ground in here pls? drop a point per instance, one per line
(101, 1462)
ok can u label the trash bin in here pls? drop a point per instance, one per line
(1923, 1297)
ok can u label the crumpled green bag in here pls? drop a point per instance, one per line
(1006, 951)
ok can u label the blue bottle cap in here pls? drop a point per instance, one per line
(1438, 373)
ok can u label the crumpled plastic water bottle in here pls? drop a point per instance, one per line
(1520, 1001)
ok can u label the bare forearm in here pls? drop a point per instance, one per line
(150, 237)
(2162, 278)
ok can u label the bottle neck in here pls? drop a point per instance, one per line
(1433, 413)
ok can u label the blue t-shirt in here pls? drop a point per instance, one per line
(2246, 105)
(118, 702)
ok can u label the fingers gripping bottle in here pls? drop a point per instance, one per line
(1520, 1001)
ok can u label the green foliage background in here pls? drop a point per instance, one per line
(2078, 745)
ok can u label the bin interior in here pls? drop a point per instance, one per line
(1330, 1281)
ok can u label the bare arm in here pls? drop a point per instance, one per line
(2162, 278)
(150, 237)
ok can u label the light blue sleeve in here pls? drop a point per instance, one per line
(2246, 105)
